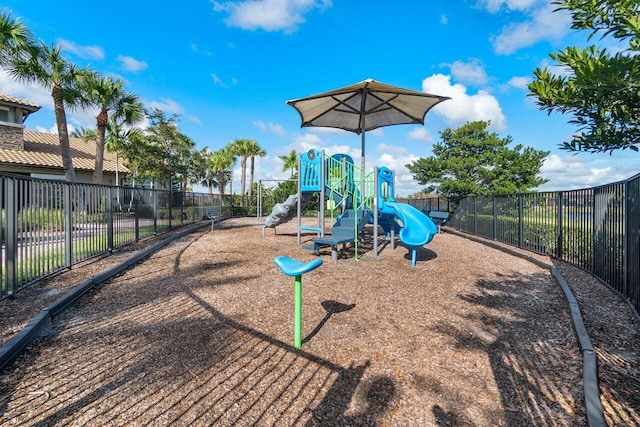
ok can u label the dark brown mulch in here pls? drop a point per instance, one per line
(200, 334)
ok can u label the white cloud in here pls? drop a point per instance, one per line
(333, 131)
(307, 141)
(395, 158)
(464, 107)
(194, 119)
(573, 172)
(53, 129)
(391, 149)
(28, 92)
(217, 81)
(471, 72)
(542, 24)
(420, 134)
(167, 105)
(270, 127)
(42, 97)
(519, 82)
(268, 15)
(495, 6)
(87, 52)
(443, 19)
(129, 63)
(196, 49)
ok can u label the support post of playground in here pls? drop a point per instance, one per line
(299, 204)
(297, 323)
(375, 211)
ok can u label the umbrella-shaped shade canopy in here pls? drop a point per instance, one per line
(365, 106)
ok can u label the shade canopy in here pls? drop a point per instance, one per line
(365, 106)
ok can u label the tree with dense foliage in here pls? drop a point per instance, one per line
(85, 134)
(602, 90)
(207, 172)
(163, 154)
(119, 137)
(244, 148)
(47, 67)
(255, 151)
(222, 162)
(290, 161)
(108, 95)
(471, 161)
(15, 39)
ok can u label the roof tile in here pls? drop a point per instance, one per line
(43, 149)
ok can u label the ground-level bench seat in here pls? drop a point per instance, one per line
(439, 218)
(210, 213)
(332, 241)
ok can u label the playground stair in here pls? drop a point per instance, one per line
(343, 231)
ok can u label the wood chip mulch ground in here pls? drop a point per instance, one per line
(201, 333)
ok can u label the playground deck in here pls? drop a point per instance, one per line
(201, 333)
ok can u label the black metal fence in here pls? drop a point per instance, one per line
(596, 229)
(48, 226)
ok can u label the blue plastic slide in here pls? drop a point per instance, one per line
(418, 229)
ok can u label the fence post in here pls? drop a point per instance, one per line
(495, 219)
(625, 240)
(475, 215)
(170, 196)
(110, 220)
(520, 221)
(136, 216)
(11, 242)
(559, 236)
(68, 226)
(595, 213)
(154, 195)
(182, 201)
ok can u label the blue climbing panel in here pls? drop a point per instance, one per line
(311, 171)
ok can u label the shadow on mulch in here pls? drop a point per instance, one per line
(331, 307)
(229, 372)
(422, 254)
(524, 362)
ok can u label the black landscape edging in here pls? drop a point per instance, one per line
(593, 404)
(18, 344)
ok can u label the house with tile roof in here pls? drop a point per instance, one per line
(38, 154)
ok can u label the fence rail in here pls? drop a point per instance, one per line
(48, 226)
(596, 229)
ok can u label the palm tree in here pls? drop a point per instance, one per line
(254, 150)
(85, 134)
(290, 161)
(207, 172)
(15, 39)
(109, 96)
(117, 140)
(241, 147)
(46, 66)
(222, 161)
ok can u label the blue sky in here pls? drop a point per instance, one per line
(227, 68)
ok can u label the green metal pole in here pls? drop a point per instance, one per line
(297, 327)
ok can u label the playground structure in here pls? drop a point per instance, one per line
(354, 200)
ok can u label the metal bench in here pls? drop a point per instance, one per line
(332, 241)
(439, 218)
(210, 213)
